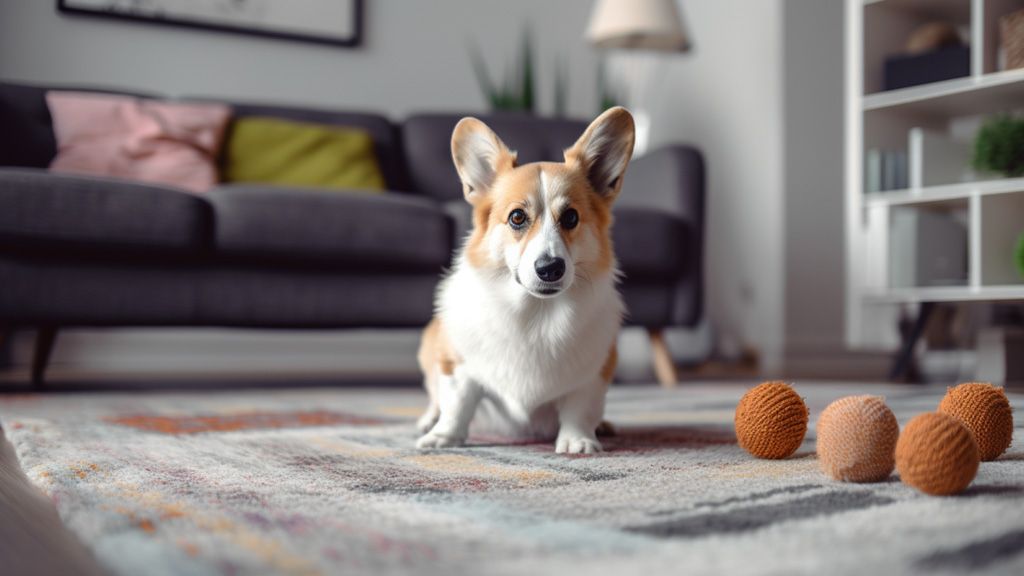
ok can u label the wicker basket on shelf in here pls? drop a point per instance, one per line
(1011, 28)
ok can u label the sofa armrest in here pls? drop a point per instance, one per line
(672, 179)
(26, 136)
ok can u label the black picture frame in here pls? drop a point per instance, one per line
(352, 41)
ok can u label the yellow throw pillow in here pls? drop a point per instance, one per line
(286, 153)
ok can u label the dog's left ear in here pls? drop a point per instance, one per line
(604, 150)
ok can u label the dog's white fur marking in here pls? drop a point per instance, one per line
(548, 243)
(534, 363)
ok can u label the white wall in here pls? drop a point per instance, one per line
(414, 56)
(731, 97)
(762, 96)
(813, 163)
(726, 98)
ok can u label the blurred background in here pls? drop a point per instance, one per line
(809, 169)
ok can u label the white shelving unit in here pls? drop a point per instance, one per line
(992, 210)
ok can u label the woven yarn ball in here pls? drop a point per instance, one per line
(771, 420)
(857, 439)
(986, 412)
(937, 454)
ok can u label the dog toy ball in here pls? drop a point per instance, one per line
(771, 420)
(857, 439)
(986, 412)
(937, 454)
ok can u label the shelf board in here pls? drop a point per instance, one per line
(957, 97)
(946, 193)
(946, 294)
(958, 11)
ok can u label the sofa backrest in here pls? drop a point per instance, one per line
(426, 139)
(415, 159)
(26, 128)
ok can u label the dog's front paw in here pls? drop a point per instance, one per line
(432, 440)
(577, 444)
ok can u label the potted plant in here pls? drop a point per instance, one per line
(516, 92)
(999, 146)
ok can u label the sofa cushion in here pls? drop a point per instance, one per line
(295, 225)
(170, 143)
(383, 132)
(286, 153)
(43, 209)
(427, 142)
(650, 244)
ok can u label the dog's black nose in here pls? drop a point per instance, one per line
(549, 269)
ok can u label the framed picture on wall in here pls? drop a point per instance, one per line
(337, 22)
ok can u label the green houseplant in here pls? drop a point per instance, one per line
(999, 146)
(516, 92)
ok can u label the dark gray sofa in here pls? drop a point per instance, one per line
(84, 251)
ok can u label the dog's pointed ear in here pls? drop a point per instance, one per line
(604, 150)
(480, 156)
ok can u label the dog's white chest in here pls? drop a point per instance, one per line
(526, 351)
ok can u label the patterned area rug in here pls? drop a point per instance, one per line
(327, 481)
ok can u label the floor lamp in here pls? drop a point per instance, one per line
(639, 25)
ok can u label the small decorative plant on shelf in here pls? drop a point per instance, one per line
(999, 146)
(1018, 255)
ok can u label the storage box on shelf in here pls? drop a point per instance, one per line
(889, 24)
(928, 246)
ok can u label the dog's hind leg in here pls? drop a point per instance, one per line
(430, 416)
(428, 357)
(605, 428)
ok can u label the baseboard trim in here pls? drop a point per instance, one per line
(228, 351)
(837, 365)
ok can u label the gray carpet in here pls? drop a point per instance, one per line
(327, 481)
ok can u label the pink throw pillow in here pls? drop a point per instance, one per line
(126, 137)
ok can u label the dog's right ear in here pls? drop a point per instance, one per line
(480, 156)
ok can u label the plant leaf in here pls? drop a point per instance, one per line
(483, 79)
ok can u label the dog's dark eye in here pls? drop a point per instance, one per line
(517, 219)
(570, 218)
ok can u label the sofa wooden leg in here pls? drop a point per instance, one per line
(664, 367)
(45, 339)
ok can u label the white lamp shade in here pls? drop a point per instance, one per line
(638, 24)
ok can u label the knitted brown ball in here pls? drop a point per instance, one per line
(937, 454)
(771, 420)
(857, 439)
(986, 412)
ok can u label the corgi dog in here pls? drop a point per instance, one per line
(526, 321)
